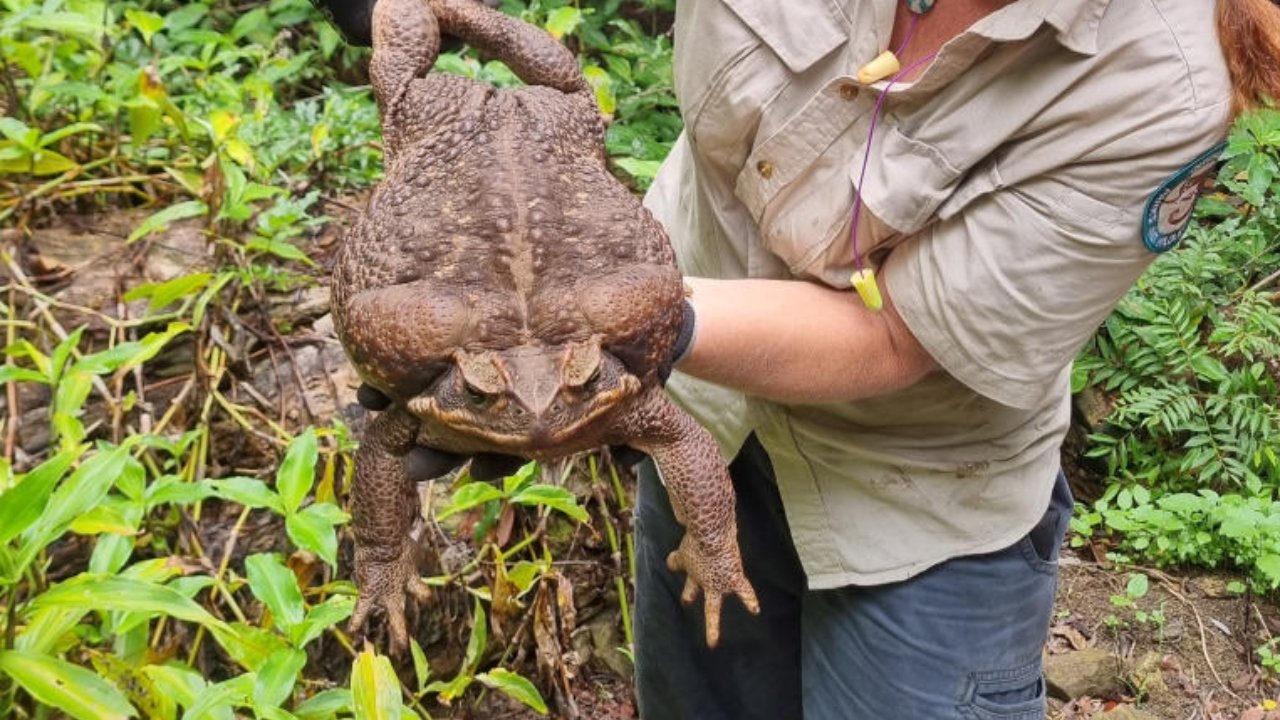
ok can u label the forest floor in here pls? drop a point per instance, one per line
(1182, 650)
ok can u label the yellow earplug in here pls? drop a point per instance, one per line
(864, 281)
(885, 65)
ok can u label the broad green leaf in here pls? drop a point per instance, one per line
(277, 676)
(277, 588)
(162, 294)
(40, 162)
(85, 488)
(172, 213)
(328, 512)
(95, 592)
(110, 553)
(554, 497)
(177, 682)
(524, 573)
(563, 21)
(239, 151)
(1137, 586)
(145, 22)
(13, 373)
(469, 496)
(421, 668)
(81, 26)
(254, 21)
(521, 479)
(478, 640)
(174, 490)
(72, 689)
(46, 628)
(375, 691)
(514, 686)
(18, 132)
(185, 16)
(249, 492)
(67, 131)
(128, 355)
(63, 353)
(325, 705)
(320, 618)
(298, 471)
(310, 530)
(222, 697)
(279, 248)
(449, 691)
(22, 504)
(107, 517)
(248, 645)
(641, 169)
(602, 84)
(1269, 566)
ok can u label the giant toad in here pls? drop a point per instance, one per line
(509, 296)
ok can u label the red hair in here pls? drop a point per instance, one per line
(1249, 31)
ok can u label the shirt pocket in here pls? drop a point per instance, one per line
(742, 57)
(797, 185)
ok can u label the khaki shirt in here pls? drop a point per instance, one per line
(1004, 201)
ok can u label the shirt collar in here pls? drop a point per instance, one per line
(1076, 21)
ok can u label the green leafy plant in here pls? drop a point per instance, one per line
(1190, 361)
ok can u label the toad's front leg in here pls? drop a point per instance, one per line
(702, 497)
(384, 503)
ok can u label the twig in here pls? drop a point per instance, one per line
(98, 384)
(1171, 588)
(11, 389)
(1265, 281)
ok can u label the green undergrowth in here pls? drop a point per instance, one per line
(1190, 362)
(133, 582)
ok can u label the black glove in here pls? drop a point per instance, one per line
(353, 18)
(684, 341)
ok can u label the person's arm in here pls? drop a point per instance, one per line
(799, 342)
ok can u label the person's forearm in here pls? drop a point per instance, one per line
(799, 342)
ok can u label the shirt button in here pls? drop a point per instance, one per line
(848, 91)
(765, 168)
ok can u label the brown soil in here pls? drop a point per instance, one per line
(1203, 646)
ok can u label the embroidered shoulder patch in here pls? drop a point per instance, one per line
(1168, 212)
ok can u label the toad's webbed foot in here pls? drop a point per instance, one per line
(715, 571)
(384, 583)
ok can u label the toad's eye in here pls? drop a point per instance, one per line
(591, 382)
(476, 396)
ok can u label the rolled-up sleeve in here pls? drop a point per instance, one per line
(1005, 293)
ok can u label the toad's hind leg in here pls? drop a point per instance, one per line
(531, 53)
(384, 504)
(406, 42)
(702, 497)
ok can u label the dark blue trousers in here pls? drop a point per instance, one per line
(961, 640)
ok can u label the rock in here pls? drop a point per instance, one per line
(1091, 671)
(606, 638)
(1147, 677)
(322, 386)
(1094, 407)
(1257, 713)
(1127, 712)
